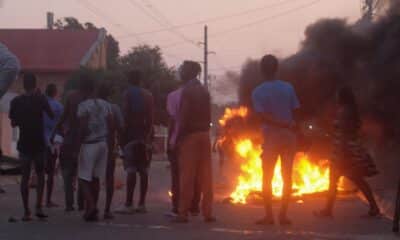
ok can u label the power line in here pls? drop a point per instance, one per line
(154, 18)
(97, 12)
(266, 18)
(210, 20)
(254, 22)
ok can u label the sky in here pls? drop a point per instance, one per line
(238, 29)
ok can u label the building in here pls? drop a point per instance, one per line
(53, 55)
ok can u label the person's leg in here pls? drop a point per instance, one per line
(269, 158)
(96, 190)
(144, 184)
(366, 190)
(68, 173)
(130, 188)
(173, 158)
(51, 159)
(206, 175)
(396, 217)
(331, 195)
(39, 160)
(287, 158)
(88, 194)
(187, 169)
(109, 184)
(197, 190)
(26, 174)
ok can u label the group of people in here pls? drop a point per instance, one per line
(89, 132)
(85, 135)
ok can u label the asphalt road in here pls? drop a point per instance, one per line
(234, 222)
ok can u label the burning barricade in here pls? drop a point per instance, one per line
(242, 138)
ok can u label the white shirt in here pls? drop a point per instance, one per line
(97, 110)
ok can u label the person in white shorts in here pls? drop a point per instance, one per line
(95, 117)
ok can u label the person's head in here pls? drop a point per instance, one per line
(345, 97)
(51, 90)
(29, 82)
(87, 83)
(189, 70)
(269, 66)
(135, 77)
(104, 91)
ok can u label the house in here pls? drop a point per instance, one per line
(53, 55)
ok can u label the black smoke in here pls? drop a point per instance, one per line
(363, 55)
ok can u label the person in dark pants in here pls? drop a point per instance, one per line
(173, 103)
(138, 118)
(349, 157)
(68, 125)
(51, 152)
(275, 103)
(26, 113)
(114, 139)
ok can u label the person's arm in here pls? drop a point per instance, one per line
(111, 127)
(46, 108)
(184, 109)
(83, 118)
(9, 64)
(62, 119)
(13, 114)
(150, 116)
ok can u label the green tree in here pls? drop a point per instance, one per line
(157, 76)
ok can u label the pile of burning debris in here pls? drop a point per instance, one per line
(241, 137)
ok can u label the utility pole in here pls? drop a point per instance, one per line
(206, 56)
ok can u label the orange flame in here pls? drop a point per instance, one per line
(308, 177)
(231, 113)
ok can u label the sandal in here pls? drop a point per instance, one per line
(26, 218)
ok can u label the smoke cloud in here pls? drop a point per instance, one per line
(363, 55)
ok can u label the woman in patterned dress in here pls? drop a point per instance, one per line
(349, 158)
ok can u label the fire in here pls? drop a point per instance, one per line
(231, 113)
(308, 177)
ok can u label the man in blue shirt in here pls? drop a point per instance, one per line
(275, 102)
(51, 152)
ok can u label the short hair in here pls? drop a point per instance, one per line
(29, 81)
(135, 77)
(51, 90)
(192, 68)
(104, 91)
(87, 83)
(269, 65)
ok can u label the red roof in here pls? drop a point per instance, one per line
(44, 50)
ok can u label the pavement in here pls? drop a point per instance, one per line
(234, 221)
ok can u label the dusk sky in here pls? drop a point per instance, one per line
(238, 29)
(277, 26)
